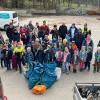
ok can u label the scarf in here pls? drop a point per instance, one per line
(65, 56)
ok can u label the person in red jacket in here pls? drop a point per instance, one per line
(45, 28)
(24, 32)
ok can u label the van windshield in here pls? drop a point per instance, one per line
(14, 15)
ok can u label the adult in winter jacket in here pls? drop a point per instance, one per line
(24, 34)
(54, 33)
(16, 36)
(85, 30)
(73, 31)
(88, 42)
(9, 32)
(79, 39)
(45, 28)
(63, 31)
(30, 26)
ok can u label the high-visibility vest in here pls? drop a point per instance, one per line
(84, 30)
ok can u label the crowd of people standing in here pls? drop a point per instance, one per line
(71, 49)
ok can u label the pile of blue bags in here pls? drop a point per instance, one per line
(41, 74)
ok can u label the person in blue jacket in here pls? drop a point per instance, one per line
(73, 31)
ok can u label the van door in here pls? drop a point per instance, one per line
(4, 19)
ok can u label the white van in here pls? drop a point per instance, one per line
(6, 17)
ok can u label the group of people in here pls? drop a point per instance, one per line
(71, 49)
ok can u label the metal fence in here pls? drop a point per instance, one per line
(48, 4)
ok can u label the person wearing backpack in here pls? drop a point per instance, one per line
(59, 57)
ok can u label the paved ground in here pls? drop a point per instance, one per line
(15, 86)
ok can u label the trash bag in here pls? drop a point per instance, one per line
(51, 66)
(49, 77)
(48, 80)
(58, 73)
(36, 75)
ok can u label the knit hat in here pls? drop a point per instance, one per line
(19, 43)
(28, 49)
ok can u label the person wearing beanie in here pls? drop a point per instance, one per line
(18, 51)
(28, 57)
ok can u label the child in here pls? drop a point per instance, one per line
(45, 42)
(66, 61)
(82, 56)
(48, 54)
(39, 55)
(64, 44)
(59, 57)
(54, 50)
(18, 51)
(75, 60)
(88, 59)
(9, 53)
(29, 58)
(97, 60)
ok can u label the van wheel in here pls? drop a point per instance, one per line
(5, 27)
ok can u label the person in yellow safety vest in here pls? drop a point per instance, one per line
(86, 30)
(18, 51)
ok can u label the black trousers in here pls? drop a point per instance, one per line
(87, 65)
(2, 62)
(19, 65)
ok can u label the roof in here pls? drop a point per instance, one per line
(7, 11)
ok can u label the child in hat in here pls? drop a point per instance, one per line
(18, 51)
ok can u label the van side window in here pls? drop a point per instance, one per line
(4, 16)
(14, 15)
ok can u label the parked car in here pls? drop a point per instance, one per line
(86, 91)
(6, 17)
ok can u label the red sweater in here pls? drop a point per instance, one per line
(45, 29)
